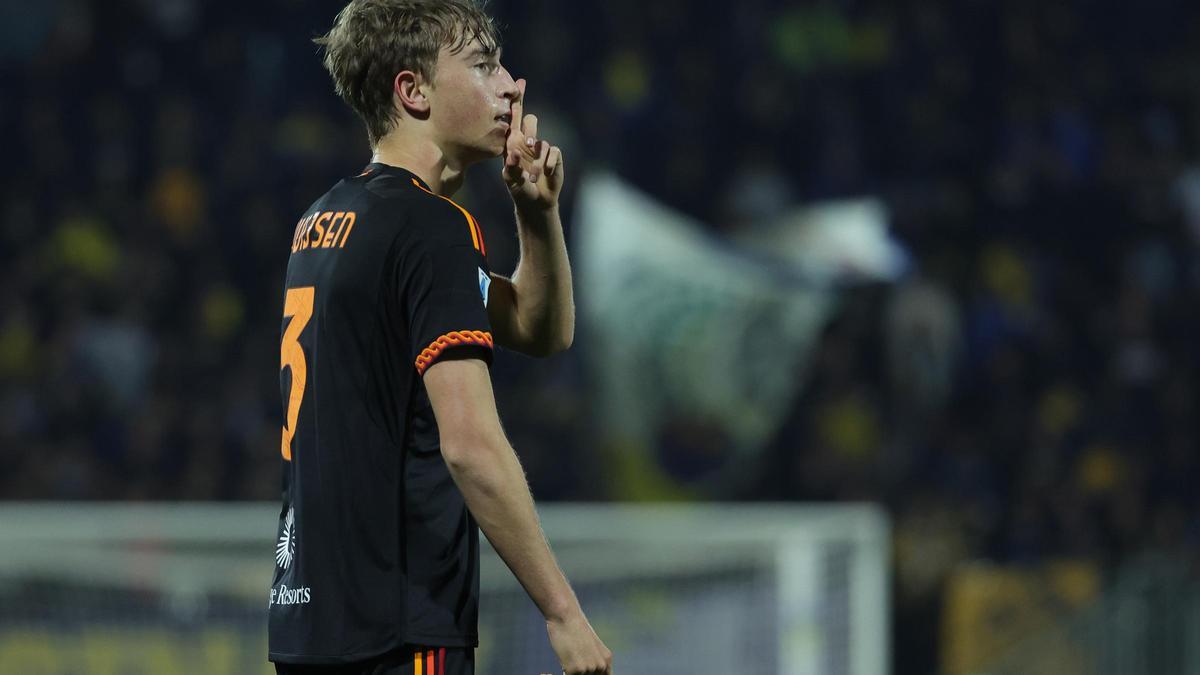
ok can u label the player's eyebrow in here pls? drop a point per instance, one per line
(485, 52)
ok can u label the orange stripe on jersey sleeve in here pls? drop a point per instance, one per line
(451, 339)
(478, 231)
(429, 663)
(472, 224)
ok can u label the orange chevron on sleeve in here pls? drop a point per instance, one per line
(472, 224)
(451, 339)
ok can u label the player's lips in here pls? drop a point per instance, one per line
(505, 119)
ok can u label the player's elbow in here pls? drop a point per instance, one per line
(564, 340)
(458, 456)
(467, 456)
(553, 343)
(476, 470)
(547, 349)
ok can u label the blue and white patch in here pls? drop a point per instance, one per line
(485, 282)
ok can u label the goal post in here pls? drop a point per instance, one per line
(689, 588)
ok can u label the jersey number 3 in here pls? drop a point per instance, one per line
(299, 305)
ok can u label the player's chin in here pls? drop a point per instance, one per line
(498, 141)
(493, 146)
(473, 153)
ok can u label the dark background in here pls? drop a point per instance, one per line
(1038, 158)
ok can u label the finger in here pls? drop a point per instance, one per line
(543, 157)
(515, 141)
(532, 145)
(554, 161)
(529, 126)
(513, 173)
(518, 104)
(532, 161)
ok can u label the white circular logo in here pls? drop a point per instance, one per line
(285, 550)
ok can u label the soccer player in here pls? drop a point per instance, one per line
(393, 454)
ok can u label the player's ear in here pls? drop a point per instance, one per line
(409, 91)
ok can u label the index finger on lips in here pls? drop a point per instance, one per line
(518, 105)
(515, 143)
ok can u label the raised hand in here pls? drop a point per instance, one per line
(533, 168)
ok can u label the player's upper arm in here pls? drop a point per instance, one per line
(465, 408)
(441, 297)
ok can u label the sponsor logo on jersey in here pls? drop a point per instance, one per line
(485, 282)
(290, 596)
(285, 550)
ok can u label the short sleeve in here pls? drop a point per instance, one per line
(444, 286)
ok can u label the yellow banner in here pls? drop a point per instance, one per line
(133, 651)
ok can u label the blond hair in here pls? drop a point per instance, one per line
(373, 40)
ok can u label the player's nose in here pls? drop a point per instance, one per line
(508, 86)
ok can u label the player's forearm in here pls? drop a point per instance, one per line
(494, 486)
(545, 299)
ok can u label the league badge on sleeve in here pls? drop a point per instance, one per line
(485, 282)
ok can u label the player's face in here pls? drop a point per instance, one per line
(471, 96)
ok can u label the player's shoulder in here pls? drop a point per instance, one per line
(433, 212)
(388, 191)
(425, 218)
(402, 190)
(440, 221)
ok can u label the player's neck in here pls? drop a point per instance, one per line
(422, 157)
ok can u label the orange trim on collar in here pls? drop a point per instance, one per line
(472, 224)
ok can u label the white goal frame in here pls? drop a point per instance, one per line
(161, 546)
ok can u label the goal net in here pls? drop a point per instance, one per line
(170, 589)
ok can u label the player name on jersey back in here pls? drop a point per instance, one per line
(323, 229)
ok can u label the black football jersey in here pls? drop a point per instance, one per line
(375, 545)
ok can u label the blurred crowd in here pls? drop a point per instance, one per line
(1030, 392)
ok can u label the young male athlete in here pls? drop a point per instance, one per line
(393, 454)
